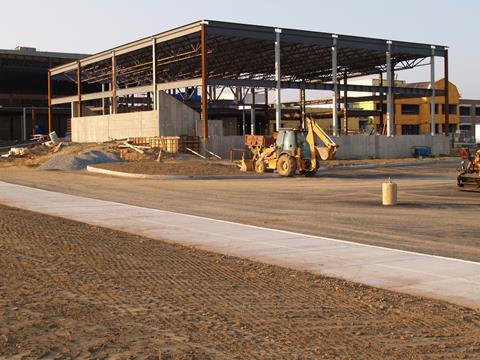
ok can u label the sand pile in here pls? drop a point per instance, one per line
(79, 161)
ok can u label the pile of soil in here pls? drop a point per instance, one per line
(79, 161)
(71, 290)
(185, 165)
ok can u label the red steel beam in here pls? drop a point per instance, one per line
(447, 97)
(79, 89)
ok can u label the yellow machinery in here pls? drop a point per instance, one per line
(291, 150)
(469, 172)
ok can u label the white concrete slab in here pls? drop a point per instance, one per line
(454, 280)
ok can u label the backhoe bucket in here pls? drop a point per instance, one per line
(246, 165)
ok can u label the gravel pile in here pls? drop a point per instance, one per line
(78, 161)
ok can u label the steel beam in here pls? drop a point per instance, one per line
(335, 88)
(252, 112)
(389, 93)
(432, 86)
(381, 103)
(345, 103)
(79, 90)
(154, 73)
(302, 106)
(278, 79)
(114, 83)
(204, 82)
(447, 93)
(49, 90)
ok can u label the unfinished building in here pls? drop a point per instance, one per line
(213, 79)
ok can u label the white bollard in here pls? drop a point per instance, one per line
(389, 193)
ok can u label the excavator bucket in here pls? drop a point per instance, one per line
(246, 165)
(326, 153)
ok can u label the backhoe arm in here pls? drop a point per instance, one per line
(325, 152)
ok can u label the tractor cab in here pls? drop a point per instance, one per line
(292, 142)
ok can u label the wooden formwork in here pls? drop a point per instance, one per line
(171, 144)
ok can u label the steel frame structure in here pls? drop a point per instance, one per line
(211, 54)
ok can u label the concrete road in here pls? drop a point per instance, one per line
(433, 216)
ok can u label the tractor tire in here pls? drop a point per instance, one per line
(259, 167)
(310, 173)
(286, 165)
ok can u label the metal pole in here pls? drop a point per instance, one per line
(267, 119)
(432, 86)
(447, 93)
(389, 93)
(303, 110)
(33, 120)
(204, 84)
(103, 99)
(381, 104)
(49, 89)
(24, 124)
(154, 72)
(114, 83)
(345, 103)
(335, 87)
(79, 89)
(278, 75)
(252, 113)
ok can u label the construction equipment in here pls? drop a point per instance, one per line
(290, 150)
(469, 171)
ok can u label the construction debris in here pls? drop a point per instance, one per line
(196, 153)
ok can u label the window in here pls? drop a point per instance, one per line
(408, 109)
(452, 109)
(384, 107)
(410, 129)
(436, 109)
(465, 110)
(477, 110)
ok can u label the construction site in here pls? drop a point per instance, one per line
(232, 191)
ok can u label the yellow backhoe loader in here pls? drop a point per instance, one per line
(290, 150)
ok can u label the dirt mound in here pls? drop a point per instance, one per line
(79, 161)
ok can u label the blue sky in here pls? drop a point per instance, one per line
(90, 26)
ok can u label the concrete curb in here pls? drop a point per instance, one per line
(385, 165)
(96, 170)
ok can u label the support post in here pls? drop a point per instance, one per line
(49, 90)
(252, 113)
(103, 99)
(389, 93)
(302, 106)
(79, 89)
(335, 88)
(114, 83)
(381, 104)
(24, 124)
(345, 103)
(204, 83)
(34, 118)
(154, 73)
(267, 118)
(447, 94)
(432, 98)
(278, 76)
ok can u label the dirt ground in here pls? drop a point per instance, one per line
(175, 166)
(71, 290)
(433, 215)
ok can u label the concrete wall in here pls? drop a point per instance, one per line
(117, 126)
(176, 118)
(220, 144)
(383, 147)
(172, 119)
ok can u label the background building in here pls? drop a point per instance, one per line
(469, 120)
(23, 92)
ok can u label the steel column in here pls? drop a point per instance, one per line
(204, 83)
(79, 89)
(24, 124)
(114, 83)
(447, 93)
(381, 104)
(335, 88)
(278, 76)
(302, 106)
(154, 72)
(252, 113)
(432, 98)
(267, 118)
(389, 93)
(345, 103)
(34, 111)
(103, 99)
(49, 90)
